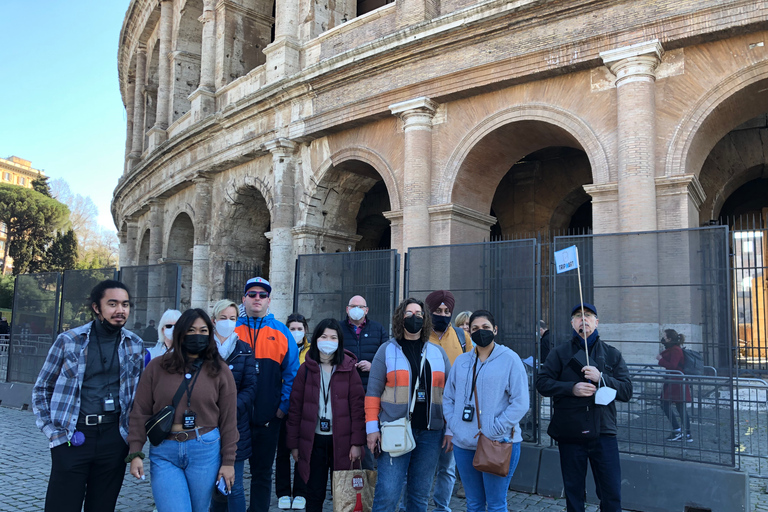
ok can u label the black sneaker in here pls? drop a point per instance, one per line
(675, 436)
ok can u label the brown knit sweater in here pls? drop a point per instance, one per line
(214, 400)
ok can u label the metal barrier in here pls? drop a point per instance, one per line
(154, 289)
(325, 282)
(5, 340)
(751, 425)
(235, 276)
(76, 289)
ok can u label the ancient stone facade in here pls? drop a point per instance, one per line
(262, 129)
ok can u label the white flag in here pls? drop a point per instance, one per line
(567, 259)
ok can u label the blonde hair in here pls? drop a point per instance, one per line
(170, 315)
(221, 306)
(462, 318)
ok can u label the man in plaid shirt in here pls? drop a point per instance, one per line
(82, 399)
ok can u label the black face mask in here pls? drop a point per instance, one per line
(482, 337)
(440, 323)
(108, 327)
(195, 343)
(413, 324)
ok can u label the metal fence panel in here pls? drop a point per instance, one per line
(500, 277)
(154, 289)
(325, 282)
(35, 324)
(235, 276)
(75, 293)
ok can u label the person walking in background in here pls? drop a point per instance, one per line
(586, 431)
(277, 359)
(164, 335)
(82, 398)
(202, 444)
(392, 386)
(150, 334)
(544, 343)
(492, 376)
(326, 420)
(674, 393)
(290, 497)
(364, 337)
(239, 357)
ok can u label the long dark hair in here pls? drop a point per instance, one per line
(176, 360)
(298, 317)
(398, 330)
(314, 352)
(673, 337)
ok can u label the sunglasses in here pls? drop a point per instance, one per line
(261, 295)
(168, 326)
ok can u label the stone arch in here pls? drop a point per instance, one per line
(558, 126)
(143, 253)
(179, 250)
(185, 61)
(716, 113)
(346, 200)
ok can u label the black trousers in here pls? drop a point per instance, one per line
(264, 446)
(320, 463)
(283, 469)
(93, 471)
(666, 406)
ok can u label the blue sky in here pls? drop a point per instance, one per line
(60, 103)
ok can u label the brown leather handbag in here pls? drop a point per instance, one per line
(490, 456)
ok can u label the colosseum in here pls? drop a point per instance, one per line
(259, 130)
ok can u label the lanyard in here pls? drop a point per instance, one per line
(326, 390)
(476, 373)
(101, 354)
(197, 365)
(250, 332)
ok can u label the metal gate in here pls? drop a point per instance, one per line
(325, 282)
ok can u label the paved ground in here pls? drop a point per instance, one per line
(26, 466)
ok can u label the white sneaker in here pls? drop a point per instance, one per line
(299, 503)
(284, 503)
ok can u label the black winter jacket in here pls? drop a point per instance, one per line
(562, 370)
(364, 347)
(243, 367)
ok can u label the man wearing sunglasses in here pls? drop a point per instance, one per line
(277, 359)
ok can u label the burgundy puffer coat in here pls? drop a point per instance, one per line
(674, 359)
(347, 404)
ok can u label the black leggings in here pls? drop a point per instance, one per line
(666, 406)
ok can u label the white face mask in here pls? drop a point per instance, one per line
(298, 336)
(604, 395)
(327, 347)
(356, 313)
(225, 328)
(168, 332)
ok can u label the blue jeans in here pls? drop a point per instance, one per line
(484, 489)
(603, 456)
(419, 467)
(445, 479)
(184, 473)
(236, 500)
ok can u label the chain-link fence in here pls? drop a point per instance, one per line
(325, 282)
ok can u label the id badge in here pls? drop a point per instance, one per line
(325, 425)
(189, 420)
(468, 414)
(421, 395)
(108, 404)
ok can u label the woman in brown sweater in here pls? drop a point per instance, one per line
(201, 448)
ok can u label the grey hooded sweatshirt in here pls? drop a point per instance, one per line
(502, 386)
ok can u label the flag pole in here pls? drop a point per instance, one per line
(581, 300)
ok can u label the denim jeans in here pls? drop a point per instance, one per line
(484, 489)
(603, 456)
(236, 500)
(184, 473)
(445, 479)
(419, 467)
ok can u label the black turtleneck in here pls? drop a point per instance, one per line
(102, 370)
(412, 351)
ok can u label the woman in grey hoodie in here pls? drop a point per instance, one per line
(502, 396)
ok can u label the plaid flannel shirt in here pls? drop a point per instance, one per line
(56, 394)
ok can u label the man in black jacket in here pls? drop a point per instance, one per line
(585, 430)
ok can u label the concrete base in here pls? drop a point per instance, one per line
(652, 484)
(527, 473)
(18, 396)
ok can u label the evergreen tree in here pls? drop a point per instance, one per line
(40, 184)
(61, 254)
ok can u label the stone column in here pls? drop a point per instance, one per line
(129, 106)
(200, 259)
(156, 229)
(137, 144)
(283, 52)
(417, 117)
(203, 99)
(282, 262)
(158, 133)
(410, 12)
(242, 35)
(131, 243)
(634, 67)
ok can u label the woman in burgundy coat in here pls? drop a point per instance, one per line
(672, 358)
(326, 419)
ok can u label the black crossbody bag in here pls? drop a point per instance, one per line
(159, 425)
